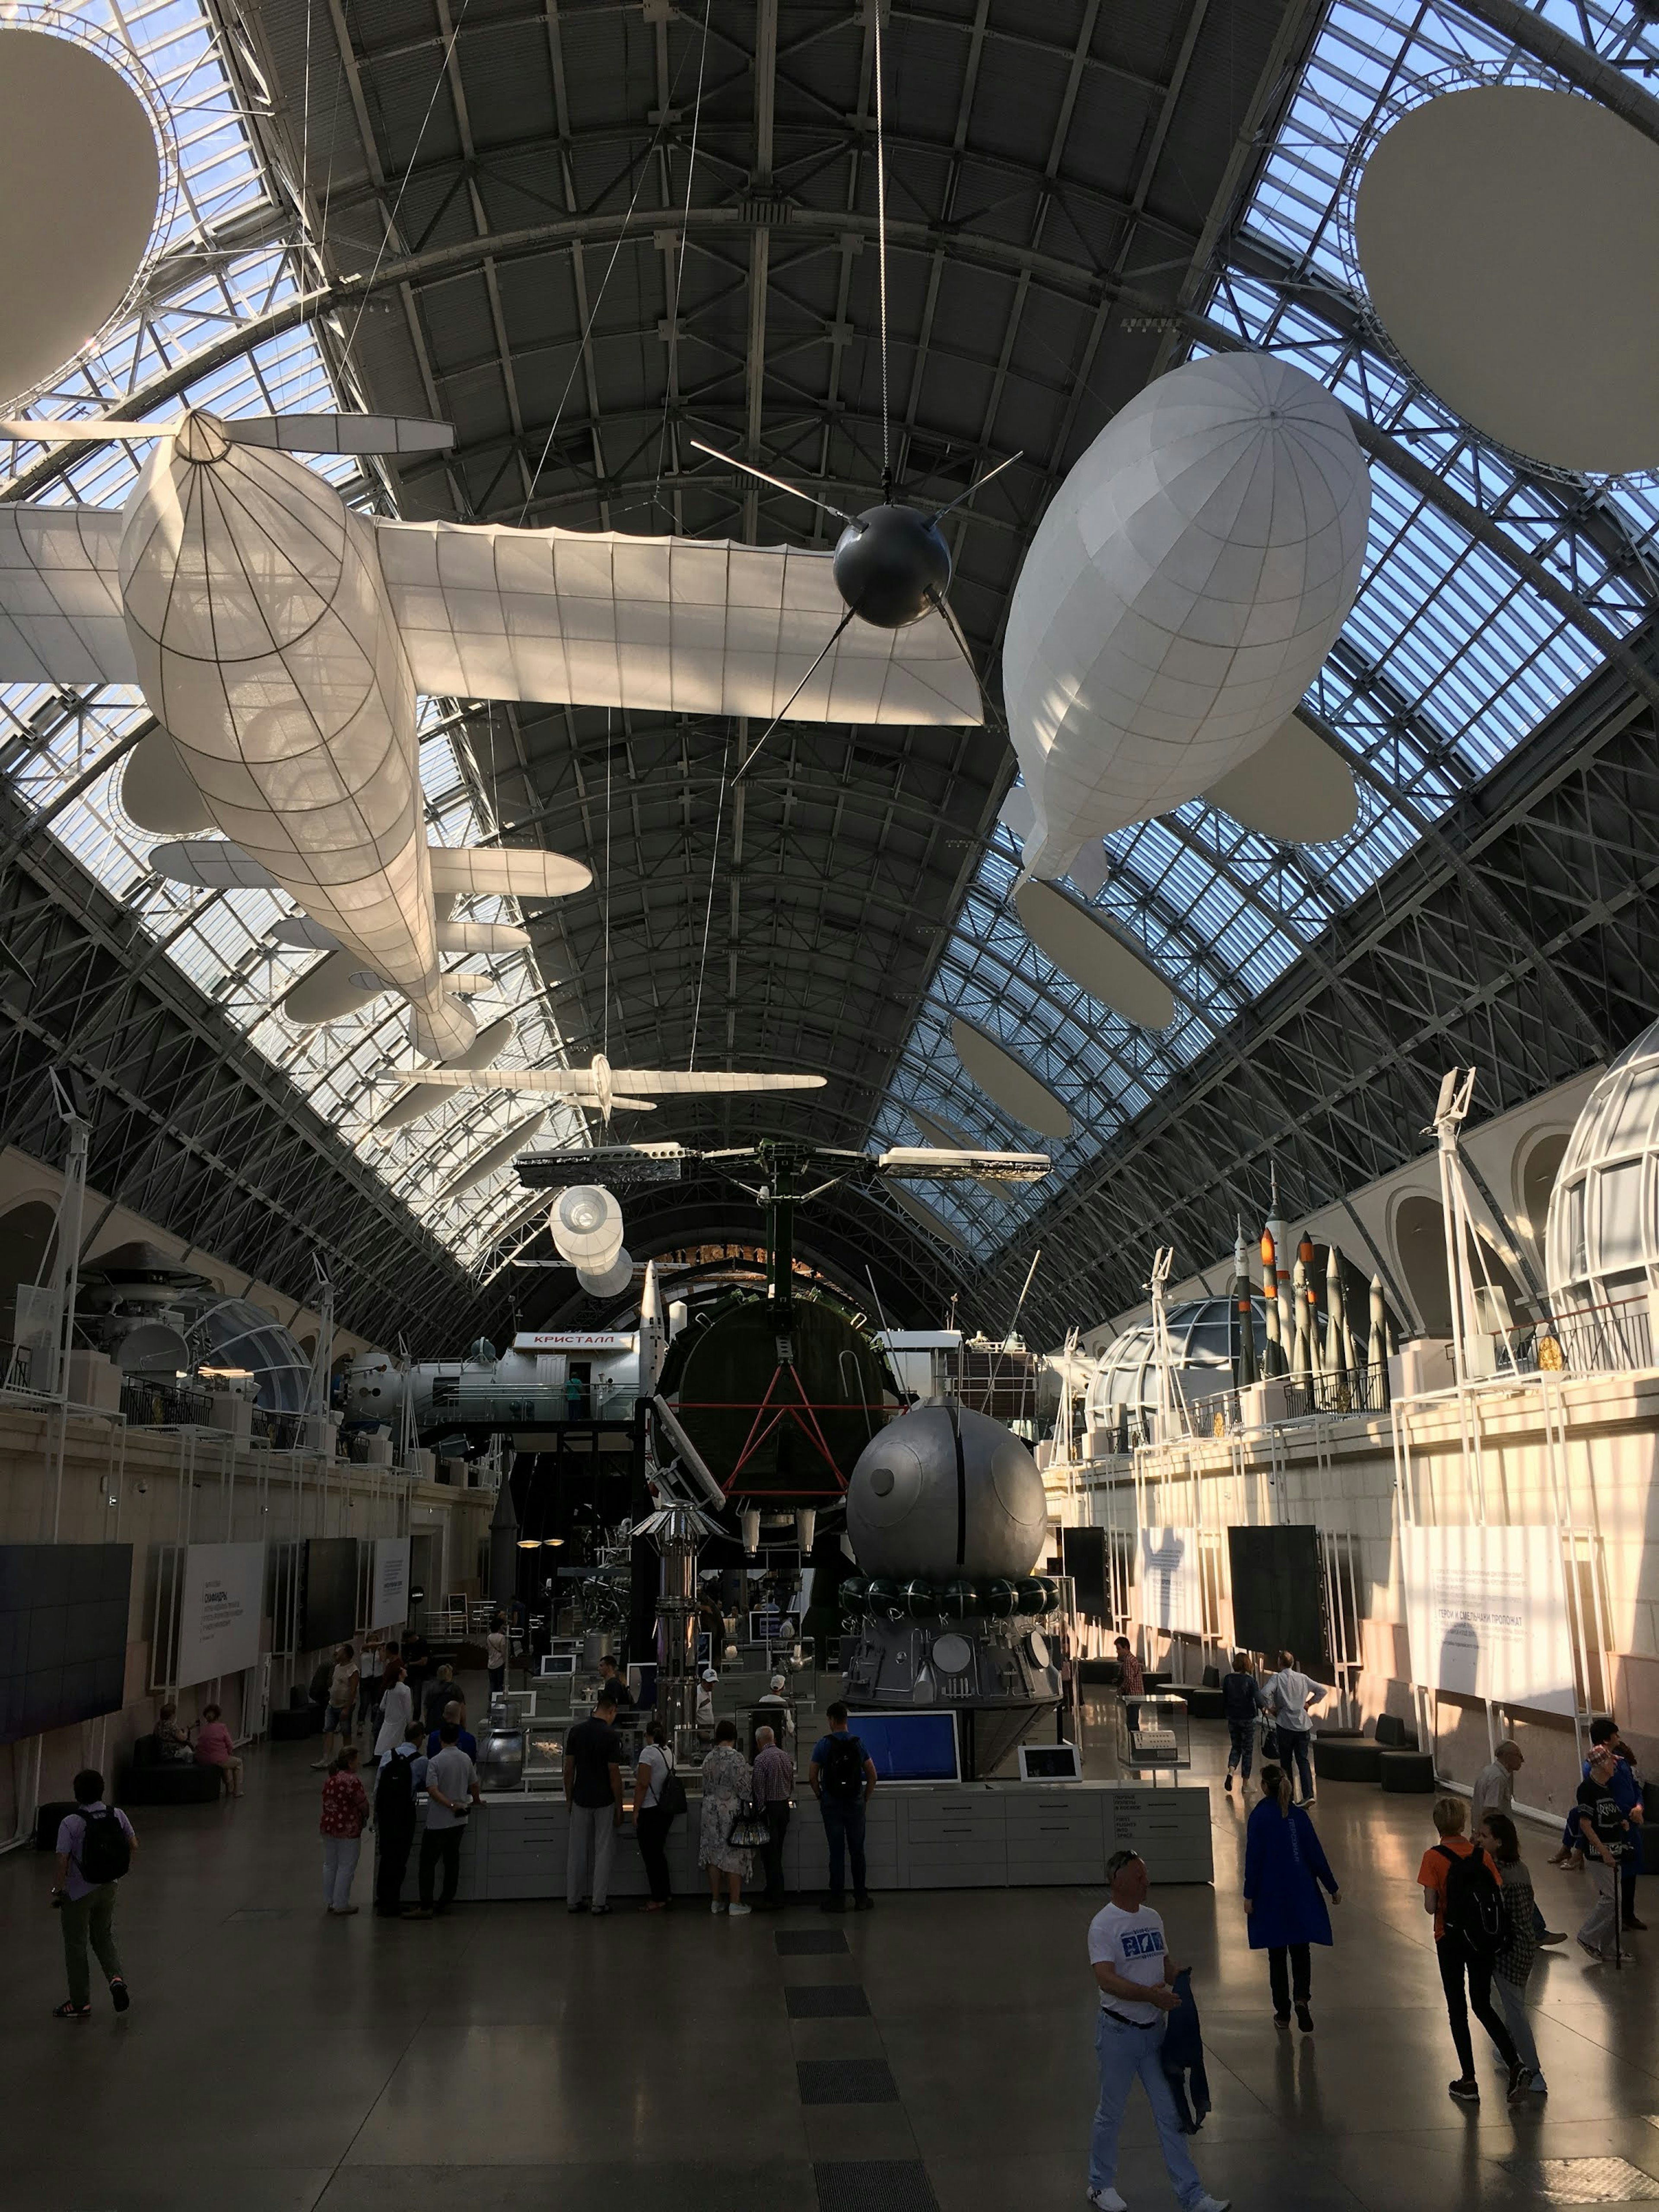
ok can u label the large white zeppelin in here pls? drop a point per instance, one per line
(1180, 595)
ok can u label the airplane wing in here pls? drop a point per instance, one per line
(465, 870)
(676, 625)
(581, 1083)
(60, 597)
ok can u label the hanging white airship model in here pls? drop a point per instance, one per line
(1180, 596)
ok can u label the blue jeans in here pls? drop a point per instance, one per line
(1241, 1740)
(844, 1828)
(1293, 1745)
(1123, 2052)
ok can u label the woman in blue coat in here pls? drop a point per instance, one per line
(1284, 1868)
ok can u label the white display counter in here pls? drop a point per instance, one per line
(978, 1835)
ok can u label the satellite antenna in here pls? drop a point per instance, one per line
(891, 562)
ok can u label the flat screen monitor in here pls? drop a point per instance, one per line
(328, 1608)
(1049, 1762)
(559, 1662)
(910, 1746)
(1279, 1596)
(62, 1634)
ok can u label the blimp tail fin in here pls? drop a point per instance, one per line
(440, 1027)
(288, 434)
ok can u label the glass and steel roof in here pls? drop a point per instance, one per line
(1447, 662)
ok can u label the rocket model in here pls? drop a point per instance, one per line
(1245, 1368)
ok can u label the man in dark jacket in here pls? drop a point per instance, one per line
(1241, 1701)
(394, 1822)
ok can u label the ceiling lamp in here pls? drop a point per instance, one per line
(1180, 594)
(587, 1228)
(1506, 235)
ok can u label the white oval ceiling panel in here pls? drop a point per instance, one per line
(1095, 956)
(1008, 1081)
(1297, 788)
(81, 182)
(485, 1163)
(327, 993)
(158, 792)
(426, 1097)
(1507, 236)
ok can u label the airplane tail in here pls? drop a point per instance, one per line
(441, 1027)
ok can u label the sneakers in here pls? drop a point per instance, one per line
(1304, 2020)
(1107, 2200)
(120, 1994)
(1519, 2075)
(1281, 2020)
(1553, 1935)
(1467, 2090)
(864, 1902)
(418, 1913)
(575, 1908)
(598, 1911)
(1538, 2087)
(739, 1912)
(1208, 2204)
(1640, 1926)
(70, 2010)
(717, 1904)
(1591, 1950)
(1228, 1784)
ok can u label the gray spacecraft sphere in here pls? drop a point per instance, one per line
(944, 1492)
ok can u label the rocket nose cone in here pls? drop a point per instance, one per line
(202, 437)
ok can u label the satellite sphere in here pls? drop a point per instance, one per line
(946, 1493)
(890, 564)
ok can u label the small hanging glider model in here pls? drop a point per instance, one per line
(280, 640)
(607, 1088)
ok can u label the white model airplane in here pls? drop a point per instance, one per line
(281, 641)
(608, 1088)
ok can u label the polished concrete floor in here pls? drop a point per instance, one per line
(513, 2057)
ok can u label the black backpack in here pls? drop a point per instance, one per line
(394, 1793)
(842, 1777)
(105, 1854)
(1474, 1902)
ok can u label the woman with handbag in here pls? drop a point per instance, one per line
(726, 1844)
(658, 1796)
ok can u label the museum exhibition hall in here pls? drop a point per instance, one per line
(829, 1093)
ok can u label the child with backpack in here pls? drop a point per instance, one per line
(1463, 1889)
(95, 1843)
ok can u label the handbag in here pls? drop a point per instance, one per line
(748, 1830)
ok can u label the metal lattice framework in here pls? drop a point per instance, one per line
(586, 234)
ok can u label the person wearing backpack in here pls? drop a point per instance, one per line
(659, 1800)
(841, 1776)
(395, 1791)
(95, 1843)
(1463, 1890)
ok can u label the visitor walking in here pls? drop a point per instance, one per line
(841, 1776)
(395, 1790)
(1604, 1830)
(1288, 1696)
(1241, 1705)
(1494, 1792)
(397, 1711)
(1461, 1888)
(1284, 1870)
(727, 1787)
(452, 1790)
(1134, 1973)
(775, 1792)
(495, 1653)
(214, 1747)
(345, 1816)
(658, 1795)
(594, 1799)
(344, 1683)
(1513, 1962)
(95, 1845)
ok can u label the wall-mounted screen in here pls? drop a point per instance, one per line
(62, 1634)
(1049, 1762)
(328, 1603)
(1083, 1555)
(910, 1746)
(1279, 1596)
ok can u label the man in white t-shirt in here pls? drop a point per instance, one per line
(1289, 1697)
(1134, 1970)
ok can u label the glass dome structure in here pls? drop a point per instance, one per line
(1202, 1360)
(1601, 1244)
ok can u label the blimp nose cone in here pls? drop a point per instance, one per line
(890, 564)
(202, 437)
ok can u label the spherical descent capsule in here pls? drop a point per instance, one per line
(946, 1492)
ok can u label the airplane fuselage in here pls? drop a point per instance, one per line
(265, 642)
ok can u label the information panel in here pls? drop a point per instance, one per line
(221, 1588)
(388, 1588)
(1486, 1609)
(1171, 1585)
(1279, 1596)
